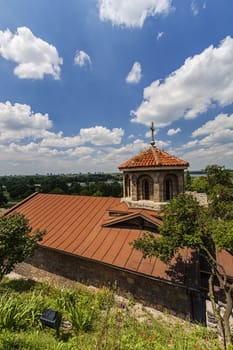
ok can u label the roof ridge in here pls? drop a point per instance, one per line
(155, 154)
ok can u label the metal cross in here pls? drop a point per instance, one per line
(152, 135)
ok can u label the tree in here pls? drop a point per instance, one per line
(3, 199)
(188, 181)
(186, 224)
(199, 184)
(16, 241)
(217, 175)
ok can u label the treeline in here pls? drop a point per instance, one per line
(15, 188)
(213, 173)
(202, 184)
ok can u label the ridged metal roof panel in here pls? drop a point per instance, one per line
(74, 224)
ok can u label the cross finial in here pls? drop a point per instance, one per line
(152, 135)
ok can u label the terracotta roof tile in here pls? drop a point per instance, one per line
(153, 157)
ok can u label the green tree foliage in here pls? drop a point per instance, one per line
(217, 175)
(199, 184)
(188, 181)
(208, 230)
(16, 241)
(3, 199)
(19, 187)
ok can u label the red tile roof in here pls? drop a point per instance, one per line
(153, 157)
(75, 225)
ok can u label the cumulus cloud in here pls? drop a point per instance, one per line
(172, 132)
(204, 80)
(159, 35)
(213, 143)
(135, 74)
(98, 136)
(190, 144)
(18, 122)
(223, 136)
(130, 13)
(34, 56)
(220, 122)
(28, 146)
(82, 59)
(202, 155)
(37, 158)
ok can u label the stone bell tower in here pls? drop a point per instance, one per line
(152, 178)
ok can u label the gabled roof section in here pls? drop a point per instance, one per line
(134, 214)
(153, 157)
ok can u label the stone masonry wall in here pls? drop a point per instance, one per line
(159, 294)
(157, 183)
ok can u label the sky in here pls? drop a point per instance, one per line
(81, 81)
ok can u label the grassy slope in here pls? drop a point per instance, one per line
(98, 324)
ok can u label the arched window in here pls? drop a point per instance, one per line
(127, 186)
(145, 189)
(168, 190)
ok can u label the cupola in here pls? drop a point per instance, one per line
(152, 177)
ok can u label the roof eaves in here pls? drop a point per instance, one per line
(147, 168)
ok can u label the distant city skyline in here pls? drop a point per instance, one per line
(82, 81)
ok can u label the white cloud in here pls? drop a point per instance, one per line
(135, 74)
(223, 136)
(202, 155)
(34, 158)
(27, 146)
(216, 131)
(98, 136)
(34, 56)
(172, 132)
(194, 8)
(213, 143)
(130, 13)
(18, 122)
(159, 35)
(190, 144)
(82, 59)
(221, 121)
(202, 81)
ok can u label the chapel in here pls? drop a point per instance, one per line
(89, 239)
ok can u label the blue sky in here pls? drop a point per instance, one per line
(82, 80)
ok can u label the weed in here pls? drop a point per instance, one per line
(97, 323)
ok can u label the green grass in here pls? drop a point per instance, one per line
(98, 324)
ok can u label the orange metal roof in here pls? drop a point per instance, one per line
(153, 157)
(225, 259)
(74, 224)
